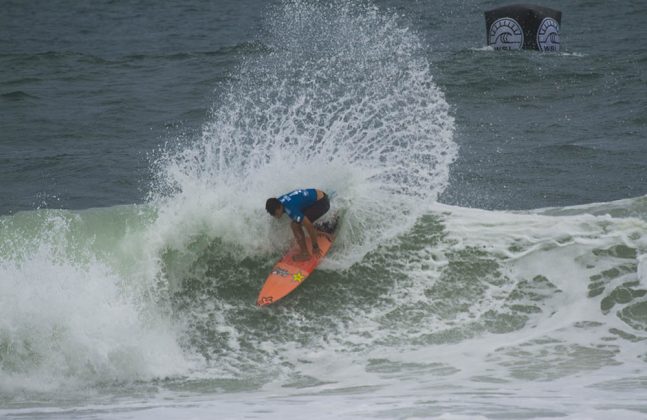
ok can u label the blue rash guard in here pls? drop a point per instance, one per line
(295, 202)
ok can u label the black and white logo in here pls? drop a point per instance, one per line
(505, 34)
(548, 35)
(280, 272)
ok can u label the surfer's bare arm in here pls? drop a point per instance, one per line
(300, 237)
(313, 235)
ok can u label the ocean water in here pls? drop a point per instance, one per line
(490, 263)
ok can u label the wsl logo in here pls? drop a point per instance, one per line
(548, 35)
(505, 34)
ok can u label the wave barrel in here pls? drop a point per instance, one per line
(522, 26)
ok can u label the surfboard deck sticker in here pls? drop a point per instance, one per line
(288, 274)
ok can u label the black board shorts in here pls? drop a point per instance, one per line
(318, 209)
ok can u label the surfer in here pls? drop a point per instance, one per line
(303, 207)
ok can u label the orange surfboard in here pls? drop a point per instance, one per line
(288, 274)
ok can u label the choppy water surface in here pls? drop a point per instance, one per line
(491, 261)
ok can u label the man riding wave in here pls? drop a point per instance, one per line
(304, 207)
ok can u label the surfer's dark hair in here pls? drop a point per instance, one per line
(272, 204)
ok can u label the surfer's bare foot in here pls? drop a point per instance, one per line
(301, 257)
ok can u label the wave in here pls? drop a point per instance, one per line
(104, 296)
(515, 296)
(73, 307)
(17, 95)
(344, 100)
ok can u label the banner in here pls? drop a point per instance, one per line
(520, 26)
